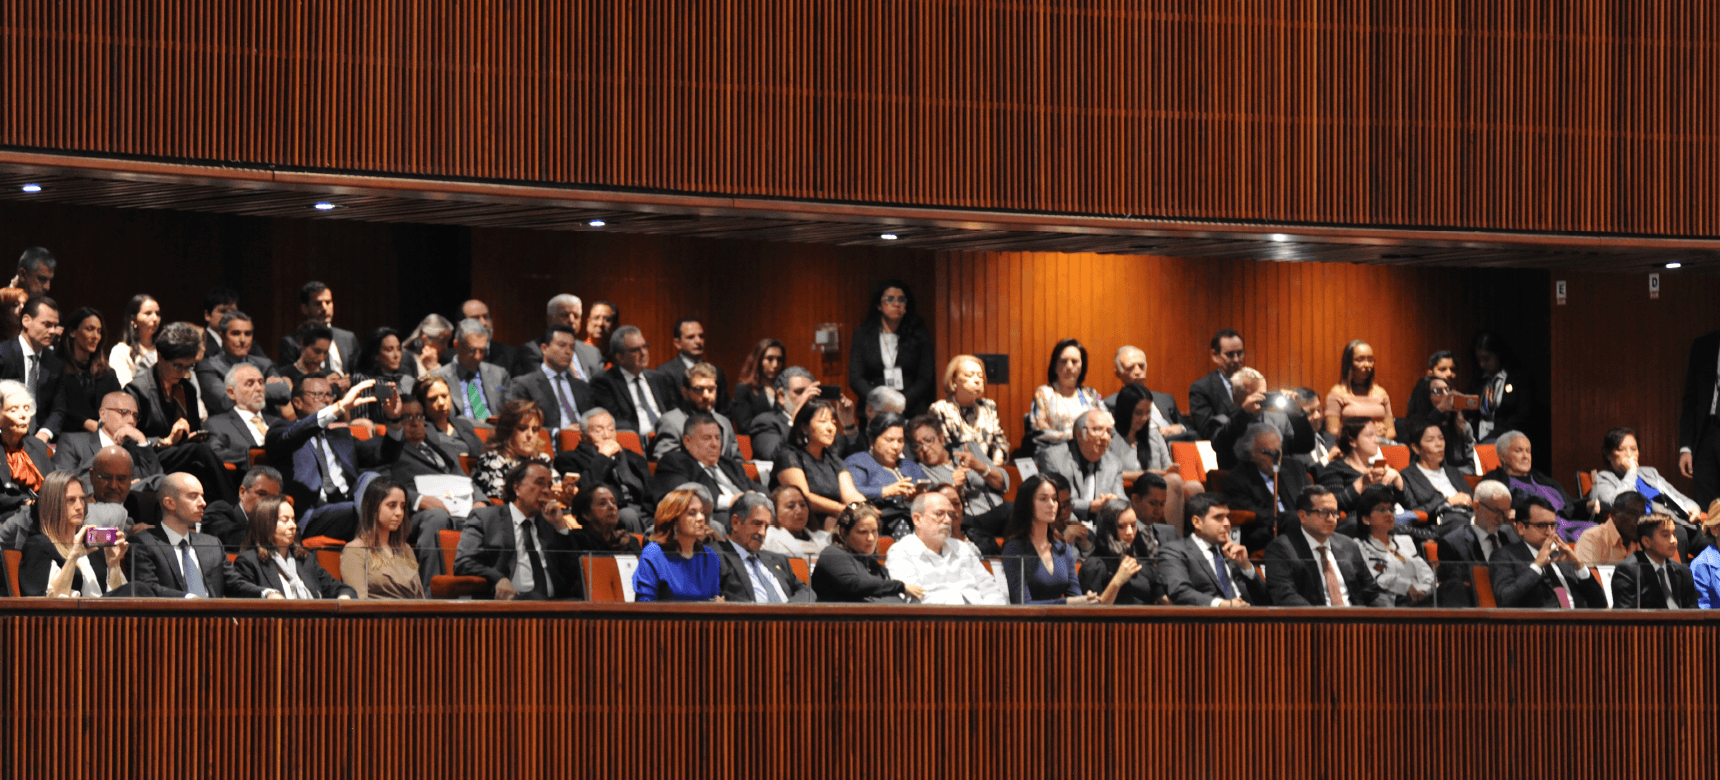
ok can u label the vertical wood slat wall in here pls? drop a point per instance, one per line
(1473, 113)
(476, 696)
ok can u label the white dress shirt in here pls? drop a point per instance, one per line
(522, 576)
(1206, 549)
(1331, 555)
(640, 390)
(953, 576)
(769, 582)
(1438, 479)
(336, 477)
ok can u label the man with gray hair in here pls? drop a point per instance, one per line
(948, 570)
(794, 387)
(637, 395)
(478, 388)
(1474, 544)
(751, 574)
(1130, 364)
(1093, 469)
(1255, 405)
(601, 460)
(500, 354)
(563, 309)
(245, 424)
(1263, 484)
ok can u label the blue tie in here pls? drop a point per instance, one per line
(761, 580)
(1223, 575)
(193, 577)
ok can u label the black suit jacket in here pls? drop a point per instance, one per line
(1634, 585)
(406, 463)
(914, 355)
(737, 578)
(287, 351)
(769, 431)
(628, 474)
(487, 550)
(40, 556)
(1700, 374)
(1294, 577)
(152, 560)
(676, 372)
(13, 494)
(230, 438)
(76, 453)
(678, 468)
(1516, 585)
(614, 395)
(1295, 430)
(317, 579)
(1246, 488)
(1458, 552)
(156, 413)
(1209, 404)
(1189, 579)
(535, 385)
(49, 370)
(212, 377)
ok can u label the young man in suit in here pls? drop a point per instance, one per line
(245, 424)
(1210, 404)
(601, 460)
(1093, 470)
(701, 459)
(478, 389)
(177, 560)
(637, 396)
(235, 349)
(1312, 566)
(689, 344)
(1260, 485)
(522, 548)
(1208, 568)
(1474, 544)
(1652, 578)
(30, 360)
(316, 301)
(699, 397)
(1147, 496)
(751, 574)
(1541, 571)
(76, 452)
(562, 396)
(946, 570)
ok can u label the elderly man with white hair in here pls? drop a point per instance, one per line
(1282, 411)
(1130, 364)
(1474, 544)
(948, 570)
(1093, 469)
(563, 309)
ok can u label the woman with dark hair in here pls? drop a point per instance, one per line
(1037, 562)
(378, 563)
(810, 462)
(849, 569)
(1144, 448)
(1625, 472)
(883, 473)
(514, 441)
(456, 435)
(756, 394)
(599, 516)
(135, 352)
(1064, 396)
(893, 348)
(1440, 365)
(272, 558)
(1506, 400)
(1116, 570)
(678, 564)
(1393, 557)
(1356, 394)
(44, 570)
(1359, 464)
(1431, 484)
(383, 359)
(1517, 472)
(88, 376)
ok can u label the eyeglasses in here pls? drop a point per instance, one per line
(132, 413)
(412, 418)
(1324, 513)
(316, 396)
(895, 299)
(1542, 526)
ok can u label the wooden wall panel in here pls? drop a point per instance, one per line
(1464, 113)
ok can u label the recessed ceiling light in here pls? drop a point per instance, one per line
(888, 236)
(597, 223)
(325, 206)
(1674, 265)
(1279, 237)
(31, 188)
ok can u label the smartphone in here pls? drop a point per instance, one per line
(101, 537)
(386, 392)
(1467, 402)
(202, 435)
(830, 392)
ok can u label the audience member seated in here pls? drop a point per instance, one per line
(135, 352)
(499, 354)
(689, 344)
(1038, 564)
(601, 460)
(1653, 578)
(699, 397)
(790, 534)
(1506, 398)
(409, 452)
(1356, 394)
(1208, 568)
(1260, 484)
(216, 305)
(176, 561)
(564, 311)
(231, 523)
(1210, 400)
(1314, 566)
(244, 426)
(598, 513)
(316, 303)
(11, 306)
(274, 560)
(514, 441)
(479, 389)
(637, 396)
(383, 359)
(1359, 465)
(893, 348)
(26, 456)
(321, 460)
(431, 345)
(970, 419)
(1705, 570)
(1254, 405)
(77, 450)
(87, 377)
(1614, 540)
(1325, 444)
(1064, 396)
(30, 359)
(752, 574)
(1431, 484)
(1473, 545)
(810, 460)
(946, 570)
(756, 393)
(1120, 569)
(1516, 462)
(1137, 440)
(1131, 367)
(1541, 571)
(35, 271)
(883, 474)
(378, 563)
(1092, 468)
(849, 570)
(1448, 415)
(234, 347)
(452, 434)
(167, 411)
(701, 459)
(1394, 558)
(112, 502)
(980, 484)
(1625, 473)
(599, 332)
(552, 385)
(882, 400)
(770, 429)
(93, 569)
(522, 548)
(1441, 365)
(1148, 498)
(679, 564)
(312, 342)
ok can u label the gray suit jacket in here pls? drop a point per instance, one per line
(1608, 485)
(1065, 460)
(1190, 582)
(667, 437)
(495, 383)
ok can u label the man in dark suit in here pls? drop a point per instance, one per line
(701, 459)
(1652, 578)
(216, 305)
(636, 395)
(76, 452)
(1312, 566)
(499, 354)
(1210, 402)
(479, 389)
(1699, 419)
(319, 459)
(1094, 471)
(1147, 496)
(35, 271)
(522, 548)
(29, 359)
(177, 560)
(167, 412)
(699, 397)
(751, 574)
(231, 523)
(601, 460)
(1248, 389)
(316, 301)
(235, 349)
(1207, 568)
(562, 396)
(794, 386)
(1473, 545)
(689, 344)
(563, 309)
(1130, 363)
(409, 452)
(1260, 485)
(245, 425)
(1540, 570)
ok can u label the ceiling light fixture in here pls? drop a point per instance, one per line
(888, 236)
(1279, 237)
(325, 206)
(1675, 265)
(597, 223)
(31, 188)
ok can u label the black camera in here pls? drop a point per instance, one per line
(1278, 402)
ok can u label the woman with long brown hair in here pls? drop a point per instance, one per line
(59, 561)
(273, 559)
(378, 563)
(88, 376)
(756, 393)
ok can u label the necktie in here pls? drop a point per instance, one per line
(1560, 591)
(475, 399)
(1492, 544)
(569, 410)
(258, 426)
(642, 395)
(30, 378)
(193, 577)
(1334, 589)
(539, 581)
(1666, 587)
(1224, 586)
(761, 582)
(430, 454)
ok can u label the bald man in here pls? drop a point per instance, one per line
(180, 562)
(117, 416)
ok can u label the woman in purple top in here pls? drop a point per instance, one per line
(1038, 564)
(1516, 471)
(677, 565)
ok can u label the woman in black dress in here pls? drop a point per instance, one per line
(811, 462)
(88, 376)
(893, 348)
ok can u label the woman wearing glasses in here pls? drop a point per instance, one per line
(893, 348)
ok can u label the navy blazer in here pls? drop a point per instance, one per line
(290, 450)
(49, 370)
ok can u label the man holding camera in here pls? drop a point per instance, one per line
(1255, 405)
